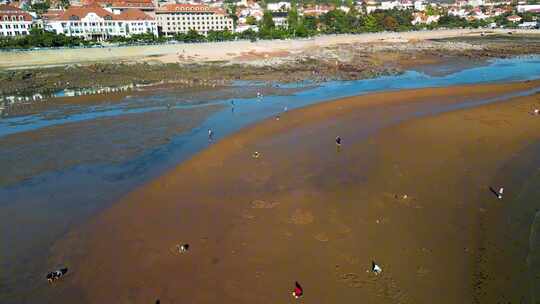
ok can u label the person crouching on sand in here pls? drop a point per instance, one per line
(298, 292)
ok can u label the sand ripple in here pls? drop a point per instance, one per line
(302, 217)
(258, 204)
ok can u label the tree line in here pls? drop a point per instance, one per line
(42, 38)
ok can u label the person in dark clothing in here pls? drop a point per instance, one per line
(338, 143)
(55, 275)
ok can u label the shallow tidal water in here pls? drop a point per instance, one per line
(86, 170)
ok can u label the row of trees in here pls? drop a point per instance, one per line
(41, 38)
(42, 6)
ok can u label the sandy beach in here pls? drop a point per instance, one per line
(408, 189)
(235, 51)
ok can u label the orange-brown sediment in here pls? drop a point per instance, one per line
(305, 212)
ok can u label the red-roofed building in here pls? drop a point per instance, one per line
(117, 6)
(146, 6)
(95, 22)
(180, 18)
(317, 10)
(103, 3)
(14, 21)
(51, 14)
(514, 18)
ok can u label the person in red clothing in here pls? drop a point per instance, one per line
(298, 291)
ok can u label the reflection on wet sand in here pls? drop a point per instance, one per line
(119, 139)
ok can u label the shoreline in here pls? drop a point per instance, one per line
(340, 57)
(220, 208)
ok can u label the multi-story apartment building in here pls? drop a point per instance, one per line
(14, 21)
(95, 22)
(180, 18)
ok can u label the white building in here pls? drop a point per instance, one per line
(477, 14)
(419, 5)
(400, 5)
(279, 6)
(529, 25)
(422, 18)
(389, 5)
(344, 8)
(95, 22)
(256, 13)
(244, 27)
(407, 4)
(459, 12)
(528, 8)
(180, 18)
(475, 3)
(280, 19)
(14, 21)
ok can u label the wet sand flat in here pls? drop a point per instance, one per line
(304, 211)
(58, 147)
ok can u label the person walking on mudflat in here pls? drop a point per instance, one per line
(298, 291)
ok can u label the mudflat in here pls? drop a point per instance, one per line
(408, 189)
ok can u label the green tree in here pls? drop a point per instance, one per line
(267, 25)
(251, 20)
(292, 18)
(452, 21)
(248, 34)
(301, 30)
(40, 7)
(390, 23)
(310, 23)
(64, 4)
(193, 36)
(370, 23)
(430, 10)
(364, 7)
(231, 12)
(41, 38)
(219, 36)
(528, 16)
(335, 22)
